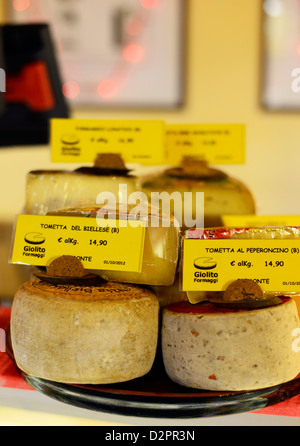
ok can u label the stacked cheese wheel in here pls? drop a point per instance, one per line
(91, 334)
(213, 348)
(223, 195)
(83, 334)
(222, 345)
(49, 190)
(95, 334)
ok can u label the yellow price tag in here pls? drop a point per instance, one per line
(80, 141)
(216, 143)
(99, 243)
(211, 265)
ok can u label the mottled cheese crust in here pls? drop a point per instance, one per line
(225, 350)
(84, 335)
(225, 196)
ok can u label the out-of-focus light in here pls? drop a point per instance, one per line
(298, 49)
(149, 4)
(21, 5)
(108, 88)
(133, 27)
(59, 46)
(274, 8)
(133, 53)
(71, 89)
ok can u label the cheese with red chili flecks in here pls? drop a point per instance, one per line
(219, 349)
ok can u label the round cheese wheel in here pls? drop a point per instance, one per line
(219, 349)
(84, 335)
(223, 195)
(49, 190)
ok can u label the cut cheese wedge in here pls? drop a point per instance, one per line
(212, 348)
(84, 335)
(34, 238)
(205, 263)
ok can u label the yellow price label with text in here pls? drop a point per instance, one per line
(216, 143)
(98, 243)
(80, 141)
(211, 265)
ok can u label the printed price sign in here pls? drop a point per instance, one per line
(216, 143)
(80, 141)
(211, 265)
(98, 243)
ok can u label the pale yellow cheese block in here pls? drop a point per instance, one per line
(84, 335)
(159, 260)
(169, 294)
(50, 190)
(161, 248)
(231, 350)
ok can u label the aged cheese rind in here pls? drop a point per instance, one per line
(78, 335)
(225, 196)
(235, 351)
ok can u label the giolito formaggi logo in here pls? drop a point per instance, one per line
(2, 81)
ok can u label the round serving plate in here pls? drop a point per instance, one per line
(156, 396)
